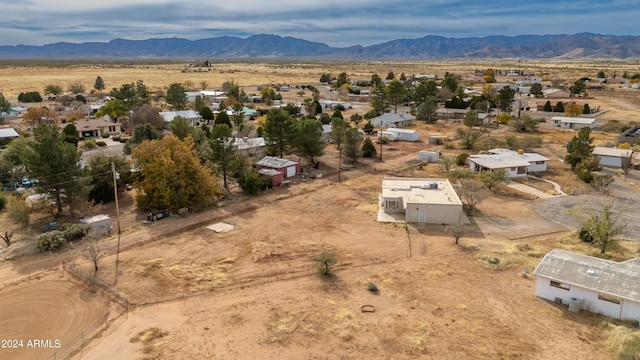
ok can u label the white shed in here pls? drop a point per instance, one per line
(405, 134)
(612, 157)
(428, 156)
(98, 225)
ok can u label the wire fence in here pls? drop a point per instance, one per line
(77, 344)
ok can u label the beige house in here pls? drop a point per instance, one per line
(94, 127)
(419, 200)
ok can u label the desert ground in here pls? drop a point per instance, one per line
(254, 293)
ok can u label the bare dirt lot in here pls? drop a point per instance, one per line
(254, 292)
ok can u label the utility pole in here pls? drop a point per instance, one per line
(116, 176)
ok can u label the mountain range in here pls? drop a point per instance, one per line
(577, 46)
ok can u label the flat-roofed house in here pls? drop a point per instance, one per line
(419, 200)
(390, 120)
(516, 164)
(589, 283)
(573, 122)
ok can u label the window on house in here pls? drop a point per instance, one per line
(609, 298)
(560, 285)
(392, 204)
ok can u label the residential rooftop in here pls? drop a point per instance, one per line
(420, 190)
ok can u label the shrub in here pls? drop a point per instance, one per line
(3, 201)
(18, 211)
(74, 232)
(461, 159)
(89, 144)
(123, 140)
(50, 241)
(101, 143)
(106, 135)
(116, 138)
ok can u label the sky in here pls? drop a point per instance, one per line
(338, 23)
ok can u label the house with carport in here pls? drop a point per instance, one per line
(613, 157)
(588, 283)
(419, 200)
(515, 163)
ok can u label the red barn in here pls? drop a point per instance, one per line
(287, 168)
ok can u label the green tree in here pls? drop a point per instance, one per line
(224, 151)
(446, 162)
(223, 118)
(536, 90)
(547, 107)
(127, 94)
(199, 103)
(76, 88)
(56, 165)
(525, 123)
(376, 81)
(307, 138)
(559, 107)
(395, 93)
(450, 81)
(379, 101)
(471, 118)
(602, 222)
(171, 175)
(238, 116)
(601, 75)
(427, 111)
(116, 109)
(325, 78)
(181, 127)
(99, 85)
(207, 114)
(425, 90)
(53, 89)
(5, 105)
(177, 96)
(278, 131)
(71, 134)
(353, 144)
(492, 178)
(102, 176)
(390, 76)
(368, 148)
(342, 79)
(356, 119)
(580, 147)
(468, 137)
(234, 92)
(578, 87)
(141, 133)
(505, 98)
(338, 133)
(586, 110)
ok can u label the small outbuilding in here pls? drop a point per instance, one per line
(277, 177)
(613, 157)
(98, 224)
(428, 156)
(288, 167)
(405, 134)
(564, 122)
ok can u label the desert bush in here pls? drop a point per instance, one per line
(50, 241)
(74, 232)
(89, 143)
(3, 201)
(116, 138)
(106, 135)
(123, 140)
(18, 211)
(101, 143)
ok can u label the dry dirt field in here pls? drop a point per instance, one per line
(253, 293)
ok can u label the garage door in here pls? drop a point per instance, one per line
(291, 171)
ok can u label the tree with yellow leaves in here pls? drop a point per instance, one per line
(171, 175)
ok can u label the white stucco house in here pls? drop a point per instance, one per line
(564, 122)
(613, 157)
(419, 200)
(588, 283)
(516, 163)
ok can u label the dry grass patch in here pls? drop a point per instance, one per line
(515, 255)
(622, 339)
(193, 277)
(151, 340)
(282, 326)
